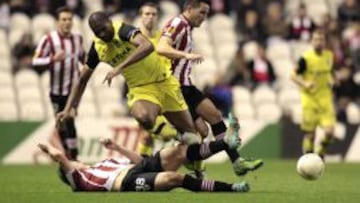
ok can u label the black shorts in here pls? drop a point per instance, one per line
(193, 98)
(141, 177)
(58, 102)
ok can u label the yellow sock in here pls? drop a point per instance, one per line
(144, 149)
(324, 144)
(307, 145)
(199, 165)
(163, 129)
(195, 165)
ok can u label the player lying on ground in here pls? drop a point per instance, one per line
(157, 173)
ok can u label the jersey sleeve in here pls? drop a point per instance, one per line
(42, 55)
(127, 32)
(174, 29)
(301, 66)
(92, 58)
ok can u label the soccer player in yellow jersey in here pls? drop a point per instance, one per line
(314, 77)
(152, 88)
(162, 129)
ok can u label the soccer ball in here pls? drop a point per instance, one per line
(310, 166)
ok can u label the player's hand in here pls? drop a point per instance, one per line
(43, 147)
(73, 112)
(108, 78)
(59, 56)
(108, 143)
(50, 150)
(309, 85)
(63, 116)
(197, 58)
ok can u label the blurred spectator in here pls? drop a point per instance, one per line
(111, 6)
(221, 96)
(130, 8)
(252, 30)
(353, 43)
(330, 26)
(260, 69)
(274, 22)
(4, 15)
(23, 52)
(220, 6)
(21, 6)
(41, 6)
(301, 25)
(76, 6)
(346, 90)
(336, 46)
(235, 73)
(243, 7)
(348, 11)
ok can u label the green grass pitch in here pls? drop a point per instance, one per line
(276, 182)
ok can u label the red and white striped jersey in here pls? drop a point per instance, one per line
(63, 74)
(99, 177)
(179, 30)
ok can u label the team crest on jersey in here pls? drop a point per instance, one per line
(171, 30)
(117, 43)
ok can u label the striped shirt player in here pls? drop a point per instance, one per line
(61, 51)
(99, 177)
(179, 30)
(141, 174)
(63, 73)
(176, 43)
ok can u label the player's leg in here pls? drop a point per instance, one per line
(201, 127)
(172, 158)
(308, 142)
(308, 126)
(145, 145)
(71, 140)
(327, 121)
(203, 107)
(162, 130)
(207, 110)
(166, 181)
(66, 130)
(145, 112)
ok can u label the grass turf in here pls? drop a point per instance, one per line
(276, 182)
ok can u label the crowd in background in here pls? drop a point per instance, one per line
(261, 21)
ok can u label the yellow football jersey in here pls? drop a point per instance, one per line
(319, 71)
(146, 71)
(155, 40)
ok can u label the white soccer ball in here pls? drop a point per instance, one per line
(310, 166)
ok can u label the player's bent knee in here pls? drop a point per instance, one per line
(145, 121)
(174, 179)
(190, 138)
(203, 131)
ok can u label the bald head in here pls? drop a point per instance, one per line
(97, 18)
(101, 25)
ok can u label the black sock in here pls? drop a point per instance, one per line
(197, 185)
(202, 151)
(68, 137)
(219, 130)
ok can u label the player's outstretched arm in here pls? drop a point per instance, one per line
(110, 144)
(143, 48)
(164, 48)
(57, 156)
(75, 95)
